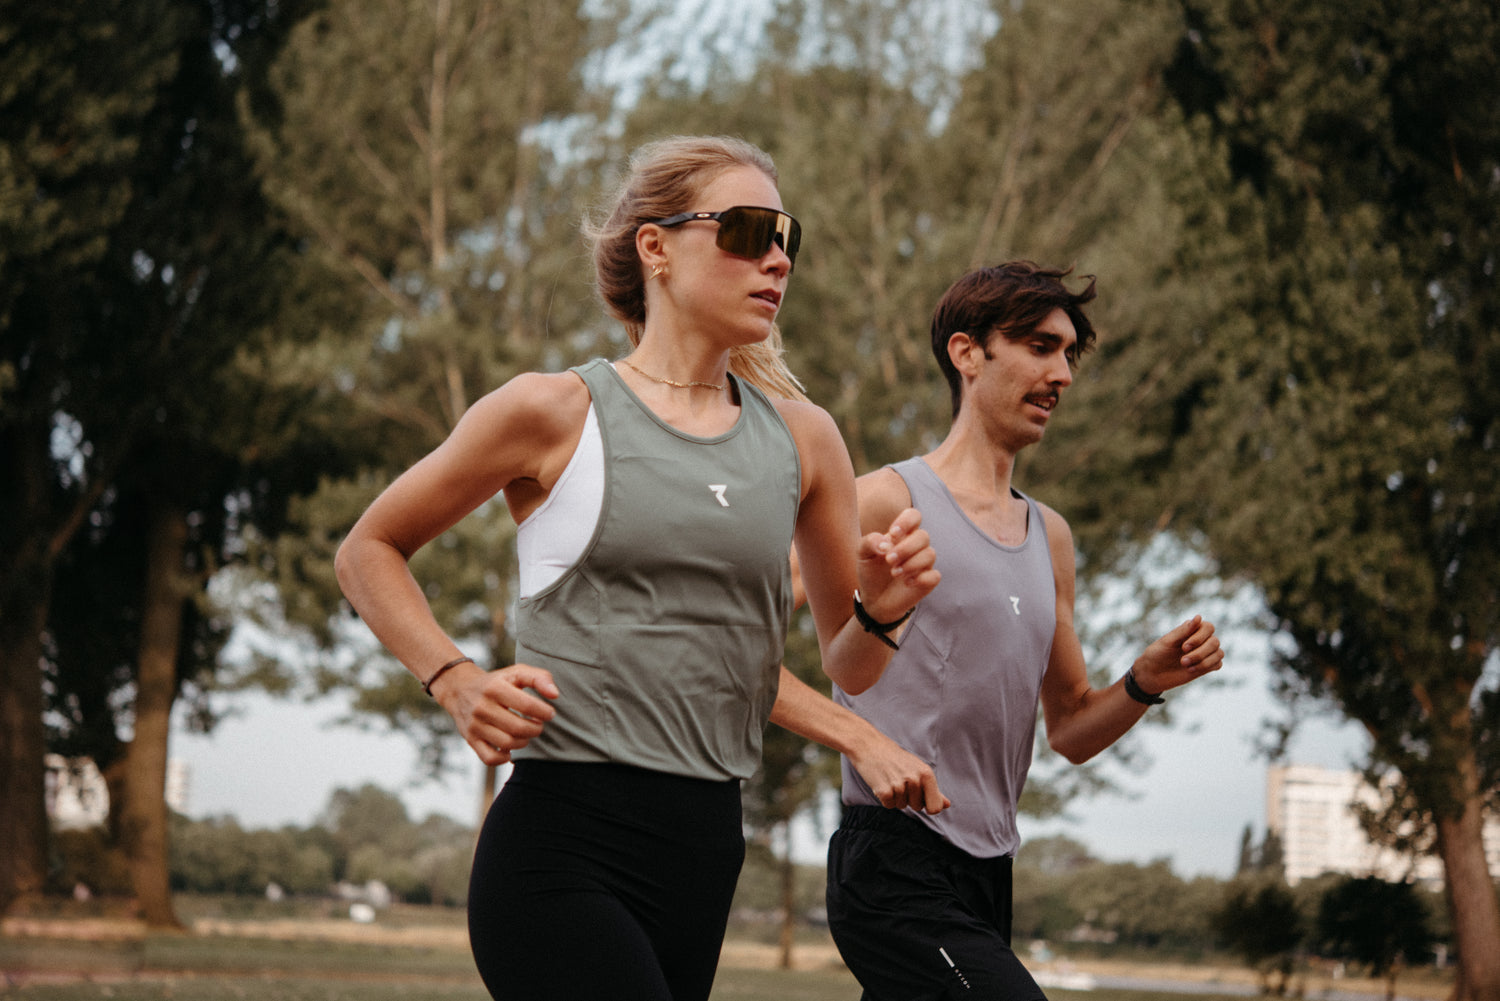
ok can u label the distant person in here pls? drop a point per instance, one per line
(920, 904)
(656, 499)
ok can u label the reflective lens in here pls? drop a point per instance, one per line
(748, 230)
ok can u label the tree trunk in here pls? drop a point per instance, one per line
(788, 897)
(1471, 893)
(144, 816)
(23, 803)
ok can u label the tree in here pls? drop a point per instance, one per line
(1259, 919)
(1361, 146)
(1272, 860)
(376, 840)
(440, 222)
(1246, 864)
(144, 264)
(216, 855)
(71, 107)
(1375, 923)
(367, 816)
(1268, 860)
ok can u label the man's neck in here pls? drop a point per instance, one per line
(966, 461)
(978, 475)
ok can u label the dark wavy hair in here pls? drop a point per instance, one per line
(1010, 300)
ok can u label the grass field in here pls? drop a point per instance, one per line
(222, 967)
(732, 985)
(417, 956)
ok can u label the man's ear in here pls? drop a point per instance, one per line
(965, 353)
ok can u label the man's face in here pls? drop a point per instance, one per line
(1018, 382)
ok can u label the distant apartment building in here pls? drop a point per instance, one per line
(1313, 811)
(78, 798)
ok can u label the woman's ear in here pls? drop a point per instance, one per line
(651, 246)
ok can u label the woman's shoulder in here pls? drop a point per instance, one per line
(524, 430)
(542, 401)
(813, 429)
(803, 415)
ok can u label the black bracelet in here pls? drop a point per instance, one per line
(1135, 691)
(427, 685)
(875, 627)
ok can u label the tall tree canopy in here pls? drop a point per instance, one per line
(1344, 453)
(78, 86)
(137, 270)
(435, 159)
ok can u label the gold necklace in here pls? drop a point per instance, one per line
(669, 382)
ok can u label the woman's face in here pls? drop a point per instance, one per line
(711, 291)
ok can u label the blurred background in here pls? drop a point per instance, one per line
(258, 256)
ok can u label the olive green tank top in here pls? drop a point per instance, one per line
(666, 636)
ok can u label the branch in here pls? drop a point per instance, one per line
(1002, 210)
(361, 264)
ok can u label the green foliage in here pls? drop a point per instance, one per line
(78, 79)
(1362, 146)
(440, 231)
(368, 815)
(140, 265)
(1377, 924)
(219, 856)
(1361, 291)
(1260, 921)
(1065, 149)
(1063, 894)
(364, 835)
(1266, 861)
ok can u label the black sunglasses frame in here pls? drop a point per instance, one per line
(733, 235)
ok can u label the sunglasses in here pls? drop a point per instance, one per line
(747, 230)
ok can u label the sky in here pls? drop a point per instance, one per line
(277, 762)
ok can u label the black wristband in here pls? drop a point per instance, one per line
(875, 627)
(1135, 691)
(427, 685)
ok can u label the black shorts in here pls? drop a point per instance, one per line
(603, 881)
(917, 919)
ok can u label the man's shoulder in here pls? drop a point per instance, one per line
(1055, 522)
(1059, 541)
(883, 495)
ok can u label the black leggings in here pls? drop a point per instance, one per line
(599, 881)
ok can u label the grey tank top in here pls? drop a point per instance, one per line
(666, 636)
(962, 691)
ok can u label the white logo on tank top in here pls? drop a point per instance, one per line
(1015, 604)
(718, 489)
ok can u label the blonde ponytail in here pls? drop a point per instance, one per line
(763, 365)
